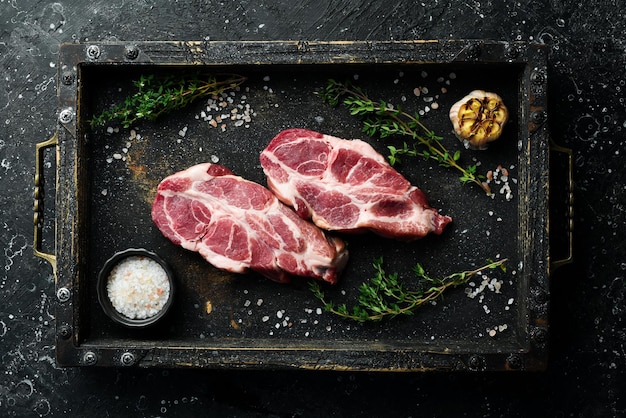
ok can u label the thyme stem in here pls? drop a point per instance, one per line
(158, 95)
(383, 296)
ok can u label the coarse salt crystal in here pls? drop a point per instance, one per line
(138, 287)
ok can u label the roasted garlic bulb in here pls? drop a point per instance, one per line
(479, 118)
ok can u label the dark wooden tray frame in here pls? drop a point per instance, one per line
(71, 227)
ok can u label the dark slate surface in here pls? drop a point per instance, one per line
(587, 113)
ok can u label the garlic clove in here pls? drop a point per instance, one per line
(479, 118)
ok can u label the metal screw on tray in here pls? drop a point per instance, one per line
(476, 363)
(64, 294)
(514, 361)
(131, 52)
(90, 358)
(538, 116)
(66, 115)
(537, 76)
(127, 359)
(93, 52)
(65, 332)
(473, 52)
(68, 78)
(512, 51)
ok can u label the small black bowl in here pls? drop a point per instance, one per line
(105, 301)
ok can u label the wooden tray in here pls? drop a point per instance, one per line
(106, 179)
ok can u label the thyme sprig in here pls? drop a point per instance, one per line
(383, 296)
(158, 95)
(383, 119)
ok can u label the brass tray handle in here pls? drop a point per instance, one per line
(570, 205)
(38, 205)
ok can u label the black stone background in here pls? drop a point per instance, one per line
(587, 84)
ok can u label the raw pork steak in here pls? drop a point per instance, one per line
(237, 225)
(345, 185)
